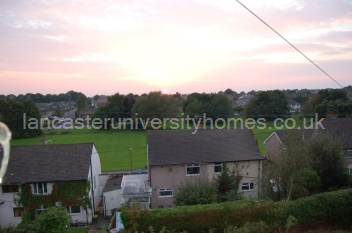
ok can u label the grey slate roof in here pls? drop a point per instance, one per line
(338, 127)
(341, 128)
(48, 163)
(113, 184)
(169, 147)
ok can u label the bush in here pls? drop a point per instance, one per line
(335, 207)
(194, 192)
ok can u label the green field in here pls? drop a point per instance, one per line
(114, 145)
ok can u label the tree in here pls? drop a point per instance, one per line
(332, 101)
(268, 104)
(227, 184)
(53, 220)
(292, 175)
(230, 92)
(221, 106)
(113, 109)
(328, 161)
(214, 105)
(128, 103)
(12, 114)
(155, 105)
(81, 102)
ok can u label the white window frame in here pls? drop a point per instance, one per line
(69, 209)
(165, 190)
(247, 184)
(218, 165)
(43, 189)
(349, 171)
(194, 165)
(40, 210)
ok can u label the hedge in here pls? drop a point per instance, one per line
(333, 206)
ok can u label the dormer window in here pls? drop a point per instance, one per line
(40, 188)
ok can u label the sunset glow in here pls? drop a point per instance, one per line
(104, 47)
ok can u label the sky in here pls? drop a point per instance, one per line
(127, 46)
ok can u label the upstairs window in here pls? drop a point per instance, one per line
(193, 169)
(40, 188)
(10, 189)
(218, 167)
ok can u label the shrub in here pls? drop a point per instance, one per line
(335, 207)
(194, 192)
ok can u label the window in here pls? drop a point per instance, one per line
(193, 169)
(247, 186)
(10, 188)
(18, 212)
(40, 210)
(74, 209)
(348, 153)
(40, 188)
(349, 171)
(218, 167)
(166, 192)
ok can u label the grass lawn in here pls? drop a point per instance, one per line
(113, 146)
(77, 230)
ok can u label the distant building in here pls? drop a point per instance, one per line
(86, 113)
(294, 106)
(45, 109)
(243, 100)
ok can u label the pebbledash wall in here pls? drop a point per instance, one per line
(171, 176)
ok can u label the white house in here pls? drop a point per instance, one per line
(294, 106)
(41, 168)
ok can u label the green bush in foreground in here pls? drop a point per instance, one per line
(333, 206)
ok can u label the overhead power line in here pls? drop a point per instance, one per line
(289, 43)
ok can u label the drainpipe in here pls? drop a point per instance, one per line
(104, 205)
(92, 182)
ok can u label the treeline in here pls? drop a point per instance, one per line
(12, 114)
(40, 98)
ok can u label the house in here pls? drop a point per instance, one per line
(86, 113)
(176, 156)
(66, 175)
(101, 102)
(45, 110)
(243, 100)
(112, 195)
(338, 127)
(136, 188)
(294, 106)
(278, 139)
